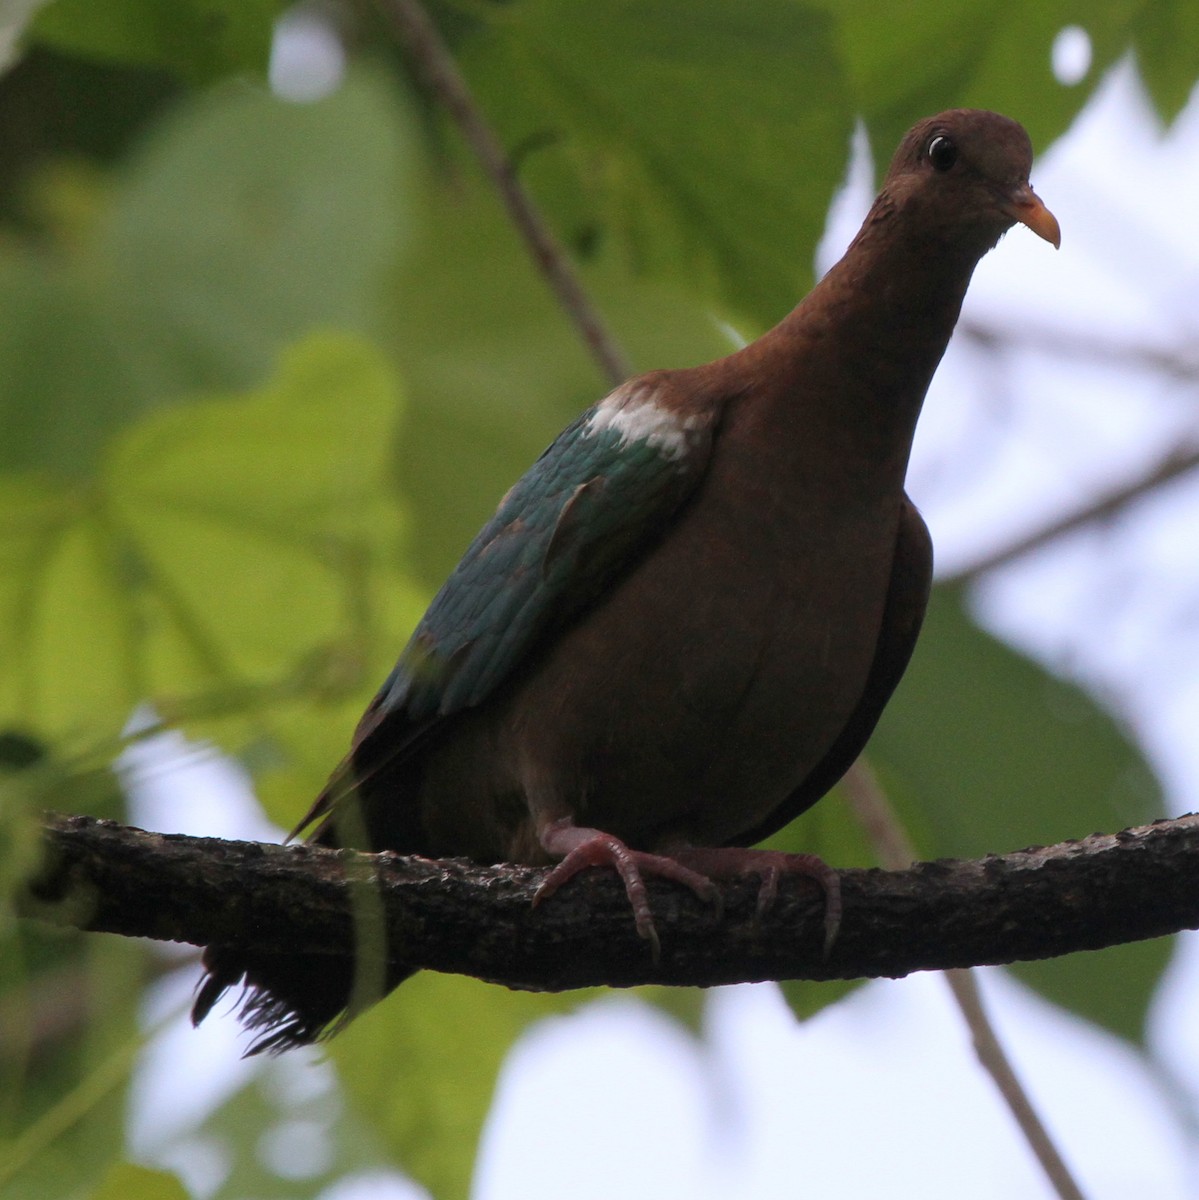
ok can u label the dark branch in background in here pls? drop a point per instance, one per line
(459, 917)
(896, 852)
(441, 75)
(1182, 461)
(1062, 343)
(1085, 347)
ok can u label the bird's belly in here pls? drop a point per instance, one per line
(706, 687)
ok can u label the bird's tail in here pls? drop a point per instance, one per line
(291, 999)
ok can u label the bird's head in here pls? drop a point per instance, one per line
(963, 175)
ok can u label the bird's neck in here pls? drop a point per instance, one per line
(855, 358)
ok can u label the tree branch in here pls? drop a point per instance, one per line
(459, 917)
(1081, 347)
(446, 81)
(877, 816)
(1179, 462)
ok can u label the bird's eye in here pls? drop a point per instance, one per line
(942, 153)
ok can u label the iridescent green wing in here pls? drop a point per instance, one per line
(583, 514)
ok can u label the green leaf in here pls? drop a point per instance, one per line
(1112, 987)
(909, 61)
(243, 223)
(127, 1181)
(58, 407)
(199, 40)
(65, 113)
(999, 752)
(494, 369)
(995, 753)
(1165, 35)
(248, 221)
(421, 1067)
(685, 1004)
(224, 544)
(17, 15)
(705, 138)
(239, 510)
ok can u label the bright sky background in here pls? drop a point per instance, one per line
(880, 1095)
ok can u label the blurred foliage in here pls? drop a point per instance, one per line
(233, 225)
(264, 368)
(417, 1025)
(1033, 758)
(199, 40)
(579, 89)
(125, 1181)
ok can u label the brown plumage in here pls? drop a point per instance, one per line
(683, 623)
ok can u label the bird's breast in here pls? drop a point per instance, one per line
(706, 685)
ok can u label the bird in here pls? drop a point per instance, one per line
(682, 623)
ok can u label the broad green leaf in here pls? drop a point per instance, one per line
(906, 62)
(420, 1069)
(247, 221)
(704, 138)
(127, 1181)
(1000, 753)
(685, 1004)
(17, 16)
(246, 511)
(242, 223)
(1113, 987)
(995, 753)
(56, 408)
(227, 545)
(1165, 37)
(983, 751)
(199, 40)
(296, 745)
(493, 368)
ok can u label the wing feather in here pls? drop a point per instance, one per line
(586, 512)
(581, 516)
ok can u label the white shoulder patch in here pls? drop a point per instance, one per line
(633, 411)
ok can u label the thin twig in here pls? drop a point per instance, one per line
(895, 851)
(1179, 462)
(443, 77)
(964, 985)
(1068, 343)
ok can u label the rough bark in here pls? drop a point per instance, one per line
(460, 917)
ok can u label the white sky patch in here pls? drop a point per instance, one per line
(308, 60)
(1071, 55)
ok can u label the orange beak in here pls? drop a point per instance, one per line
(1025, 206)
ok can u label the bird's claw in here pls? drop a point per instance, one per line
(769, 866)
(582, 848)
(692, 866)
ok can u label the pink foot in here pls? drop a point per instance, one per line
(580, 848)
(729, 862)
